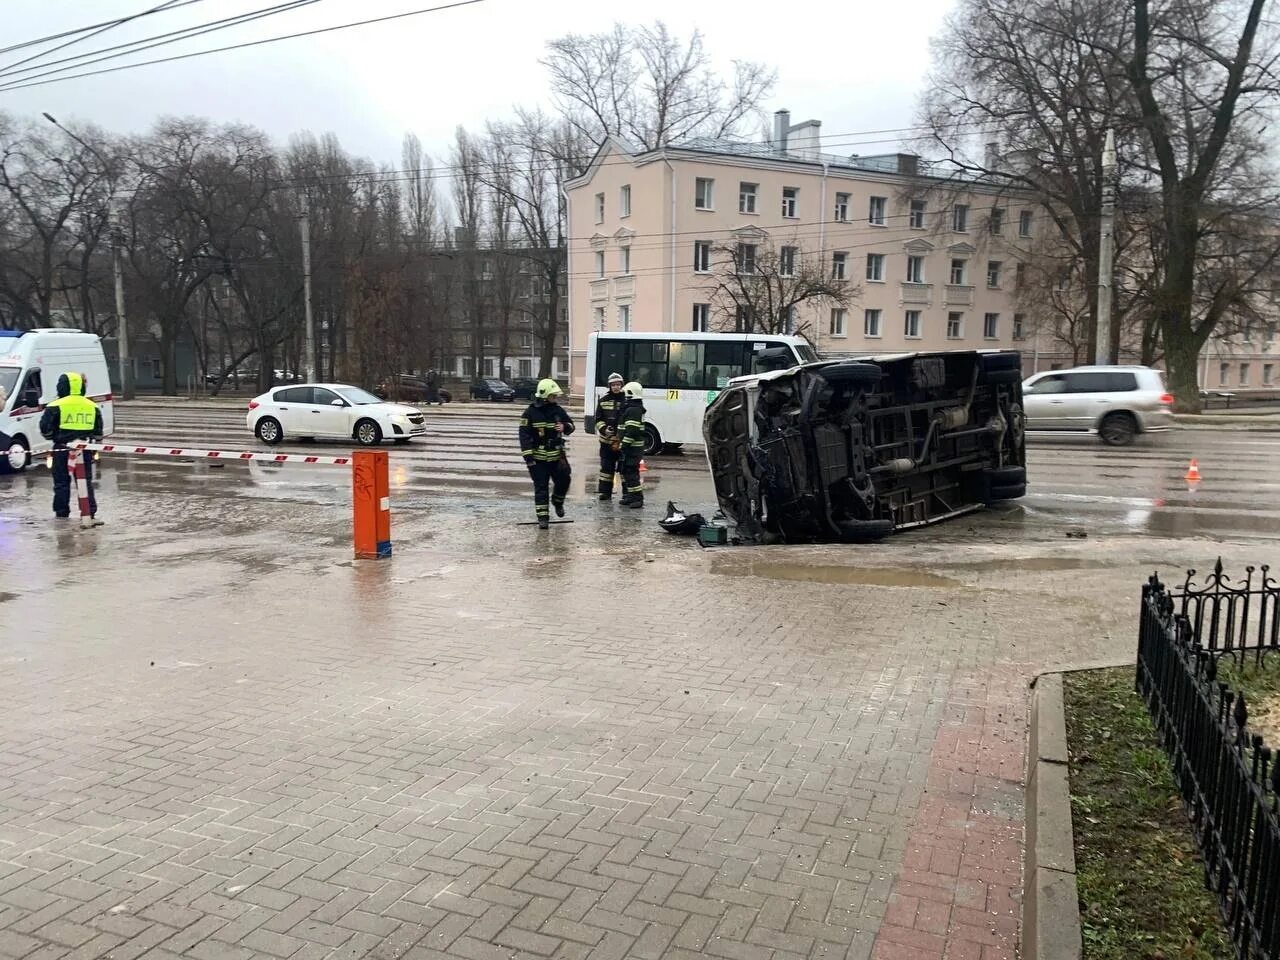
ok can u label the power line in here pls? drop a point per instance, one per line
(186, 33)
(241, 46)
(93, 26)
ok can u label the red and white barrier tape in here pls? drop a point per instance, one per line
(216, 454)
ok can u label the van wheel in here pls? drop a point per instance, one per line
(7, 466)
(269, 431)
(652, 440)
(866, 375)
(864, 531)
(1118, 429)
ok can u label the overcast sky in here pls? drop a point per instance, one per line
(857, 66)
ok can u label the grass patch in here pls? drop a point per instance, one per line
(1260, 684)
(1140, 876)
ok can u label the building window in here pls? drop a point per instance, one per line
(525, 367)
(701, 317)
(918, 208)
(624, 200)
(787, 319)
(790, 201)
(838, 319)
(624, 318)
(955, 326)
(875, 214)
(702, 256)
(960, 218)
(871, 323)
(747, 197)
(993, 273)
(742, 322)
(842, 207)
(599, 263)
(1268, 374)
(1224, 374)
(468, 367)
(1244, 374)
(1024, 223)
(915, 269)
(599, 208)
(526, 340)
(911, 326)
(990, 325)
(626, 260)
(599, 319)
(839, 266)
(1019, 327)
(488, 367)
(702, 193)
(996, 221)
(1020, 276)
(958, 270)
(744, 259)
(875, 267)
(787, 262)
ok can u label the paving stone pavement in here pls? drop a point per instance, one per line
(219, 741)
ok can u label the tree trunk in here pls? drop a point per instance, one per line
(169, 356)
(1182, 358)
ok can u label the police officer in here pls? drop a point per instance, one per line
(543, 428)
(69, 419)
(607, 412)
(632, 430)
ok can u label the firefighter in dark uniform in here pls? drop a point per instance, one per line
(543, 428)
(71, 418)
(607, 412)
(632, 431)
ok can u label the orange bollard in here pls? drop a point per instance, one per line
(1193, 473)
(371, 504)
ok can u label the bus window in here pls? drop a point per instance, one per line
(722, 362)
(649, 363)
(684, 365)
(611, 358)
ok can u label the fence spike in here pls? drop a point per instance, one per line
(1241, 714)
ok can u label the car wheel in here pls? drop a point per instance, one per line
(368, 433)
(1118, 429)
(652, 440)
(24, 458)
(864, 531)
(858, 374)
(269, 430)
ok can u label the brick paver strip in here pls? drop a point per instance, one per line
(209, 754)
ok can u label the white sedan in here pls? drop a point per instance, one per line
(331, 411)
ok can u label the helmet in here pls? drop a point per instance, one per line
(547, 389)
(633, 391)
(615, 378)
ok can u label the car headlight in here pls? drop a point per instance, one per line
(400, 418)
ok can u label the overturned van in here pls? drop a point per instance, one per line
(853, 450)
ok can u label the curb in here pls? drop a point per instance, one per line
(1051, 903)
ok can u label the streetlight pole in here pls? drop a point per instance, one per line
(1106, 251)
(117, 269)
(309, 351)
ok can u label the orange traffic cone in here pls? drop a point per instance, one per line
(644, 467)
(1193, 473)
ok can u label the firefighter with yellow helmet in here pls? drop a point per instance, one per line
(543, 427)
(633, 438)
(608, 412)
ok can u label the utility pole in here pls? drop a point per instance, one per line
(309, 350)
(122, 325)
(1106, 250)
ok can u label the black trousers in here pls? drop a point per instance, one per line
(550, 477)
(609, 465)
(632, 490)
(62, 483)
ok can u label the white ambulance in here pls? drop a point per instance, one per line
(31, 362)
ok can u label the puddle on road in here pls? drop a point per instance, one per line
(1032, 564)
(813, 573)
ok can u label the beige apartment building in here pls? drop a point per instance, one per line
(656, 233)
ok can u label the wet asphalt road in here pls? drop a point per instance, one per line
(469, 468)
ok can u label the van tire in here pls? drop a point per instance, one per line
(5, 467)
(866, 375)
(864, 531)
(1002, 377)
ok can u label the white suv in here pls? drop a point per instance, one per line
(1116, 403)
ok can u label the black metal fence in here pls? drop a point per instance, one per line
(1229, 778)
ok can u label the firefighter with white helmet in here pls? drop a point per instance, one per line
(608, 410)
(633, 438)
(543, 428)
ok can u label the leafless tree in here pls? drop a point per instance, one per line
(650, 87)
(758, 287)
